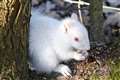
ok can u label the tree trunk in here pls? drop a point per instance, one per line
(14, 21)
(96, 29)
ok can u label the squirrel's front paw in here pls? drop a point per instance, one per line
(80, 56)
(64, 70)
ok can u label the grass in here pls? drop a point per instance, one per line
(114, 72)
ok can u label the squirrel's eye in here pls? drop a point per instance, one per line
(76, 39)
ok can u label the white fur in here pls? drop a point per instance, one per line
(49, 43)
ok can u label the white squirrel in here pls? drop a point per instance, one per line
(52, 41)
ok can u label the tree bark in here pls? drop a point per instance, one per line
(14, 21)
(96, 18)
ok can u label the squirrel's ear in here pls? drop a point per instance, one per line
(74, 16)
(66, 26)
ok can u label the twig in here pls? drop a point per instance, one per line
(85, 3)
(79, 11)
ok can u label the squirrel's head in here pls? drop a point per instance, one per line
(76, 33)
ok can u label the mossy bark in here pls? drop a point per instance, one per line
(14, 21)
(96, 18)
